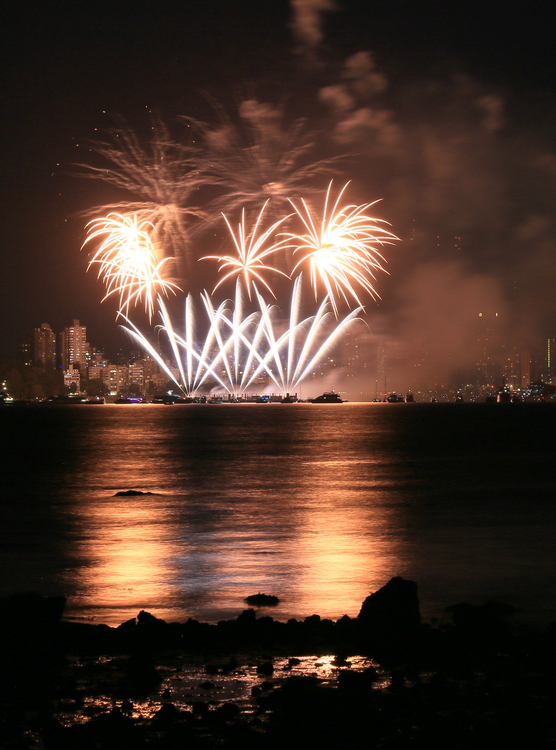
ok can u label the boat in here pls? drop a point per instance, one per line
(329, 397)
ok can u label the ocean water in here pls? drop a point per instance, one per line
(317, 504)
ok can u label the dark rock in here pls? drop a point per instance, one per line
(230, 666)
(266, 668)
(357, 682)
(247, 617)
(262, 600)
(30, 610)
(228, 712)
(393, 610)
(131, 493)
(86, 638)
(142, 675)
(167, 714)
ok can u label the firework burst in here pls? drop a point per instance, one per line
(252, 248)
(128, 261)
(160, 179)
(259, 159)
(241, 348)
(340, 248)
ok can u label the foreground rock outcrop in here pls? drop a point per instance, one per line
(477, 683)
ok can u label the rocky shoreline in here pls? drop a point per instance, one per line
(382, 679)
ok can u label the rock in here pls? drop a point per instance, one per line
(393, 610)
(131, 493)
(262, 600)
(166, 715)
(266, 668)
(30, 610)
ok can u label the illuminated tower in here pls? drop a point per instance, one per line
(44, 345)
(525, 361)
(551, 360)
(74, 346)
(381, 370)
(489, 366)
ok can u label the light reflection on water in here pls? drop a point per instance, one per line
(318, 505)
(184, 685)
(229, 518)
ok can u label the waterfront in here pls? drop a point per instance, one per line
(316, 504)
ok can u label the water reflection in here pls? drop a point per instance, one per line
(316, 504)
(241, 506)
(344, 542)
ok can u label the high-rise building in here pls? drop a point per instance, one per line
(525, 361)
(551, 360)
(74, 346)
(44, 345)
(115, 377)
(490, 351)
(25, 351)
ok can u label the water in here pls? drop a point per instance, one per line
(316, 504)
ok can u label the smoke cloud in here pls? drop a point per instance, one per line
(468, 180)
(307, 21)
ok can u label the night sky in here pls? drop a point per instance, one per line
(447, 111)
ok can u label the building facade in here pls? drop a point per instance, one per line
(44, 345)
(74, 346)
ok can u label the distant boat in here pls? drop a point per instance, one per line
(289, 399)
(74, 399)
(330, 397)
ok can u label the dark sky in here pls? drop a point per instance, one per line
(447, 107)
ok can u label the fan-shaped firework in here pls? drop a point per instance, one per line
(128, 261)
(240, 348)
(341, 248)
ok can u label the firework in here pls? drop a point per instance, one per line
(340, 248)
(128, 261)
(252, 249)
(160, 180)
(236, 343)
(259, 159)
(239, 349)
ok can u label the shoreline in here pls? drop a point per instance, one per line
(373, 680)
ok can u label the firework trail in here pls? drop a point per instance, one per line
(340, 248)
(160, 180)
(258, 160)
(128, 261)
(239, 348)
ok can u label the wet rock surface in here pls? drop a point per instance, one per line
(383, 679)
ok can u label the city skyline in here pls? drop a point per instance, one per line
(357, 366)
